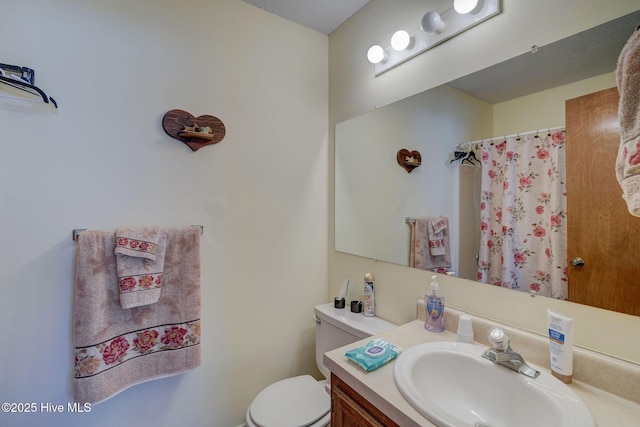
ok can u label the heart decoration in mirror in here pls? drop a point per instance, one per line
(196, 132)
(409, 160)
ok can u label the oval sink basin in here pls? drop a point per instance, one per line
(451, 384)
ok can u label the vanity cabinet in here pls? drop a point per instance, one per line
(349, 409)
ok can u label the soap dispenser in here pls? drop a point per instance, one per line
(434, 306)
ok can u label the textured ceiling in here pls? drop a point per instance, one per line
(320, 15)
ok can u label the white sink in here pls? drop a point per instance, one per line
(451, 384)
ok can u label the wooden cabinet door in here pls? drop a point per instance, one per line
(349, 409)
(600, 229)
(348, 413)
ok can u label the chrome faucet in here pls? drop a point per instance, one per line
(501, 353)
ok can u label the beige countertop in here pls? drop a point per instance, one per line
(378, 387)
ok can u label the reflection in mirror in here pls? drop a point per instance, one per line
(374, 195)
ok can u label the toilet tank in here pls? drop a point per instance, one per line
(336, 327)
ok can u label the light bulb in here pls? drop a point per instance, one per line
(400, 40)
(432, 23)
(467, 6)
(376, 54)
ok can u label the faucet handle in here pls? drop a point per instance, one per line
(499, 339)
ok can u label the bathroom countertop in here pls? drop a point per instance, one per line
(378, 387)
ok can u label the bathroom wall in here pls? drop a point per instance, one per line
(355, 90)
(546, 108)
(103, 160)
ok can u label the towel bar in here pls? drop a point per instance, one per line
(77, 231)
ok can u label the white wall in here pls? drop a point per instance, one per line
(544, 109)
(354, 90)
(103, 160)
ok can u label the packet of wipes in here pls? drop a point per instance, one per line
(373, 354)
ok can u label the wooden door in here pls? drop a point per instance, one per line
(600, 229)
(349, 409)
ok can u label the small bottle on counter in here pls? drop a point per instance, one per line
(434, 306)
(561, 346)
(465, 330)
(369, 296)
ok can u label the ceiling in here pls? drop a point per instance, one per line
(320, 15)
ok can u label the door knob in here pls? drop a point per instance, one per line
(577, 262)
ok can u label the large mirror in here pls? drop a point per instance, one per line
(375, 196)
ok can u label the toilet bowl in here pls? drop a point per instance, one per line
(303, 401)
(297, 401)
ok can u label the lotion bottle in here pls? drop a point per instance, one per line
(561, 346)
(434, 306)
(369, 296)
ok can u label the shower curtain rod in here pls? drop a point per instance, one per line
(499, 138)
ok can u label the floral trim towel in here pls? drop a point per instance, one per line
(628, 160)
(421, 255)
(138, 242)
(117, 348)
(140, 253)
(436, 235)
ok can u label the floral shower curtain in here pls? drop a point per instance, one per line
(523, 215)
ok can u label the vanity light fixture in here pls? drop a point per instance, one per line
(435, 28)
(467, 6)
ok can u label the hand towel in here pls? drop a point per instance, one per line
(117, 348)
(436, 235)
(138, 242)
(420, 253)
(628, 160)
(140, 253)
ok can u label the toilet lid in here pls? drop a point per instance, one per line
(292, 402)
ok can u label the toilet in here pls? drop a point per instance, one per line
(303, 401)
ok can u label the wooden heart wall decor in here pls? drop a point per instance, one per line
(409, 160)
(196, 132)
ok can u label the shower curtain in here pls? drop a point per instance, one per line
(523, 215)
